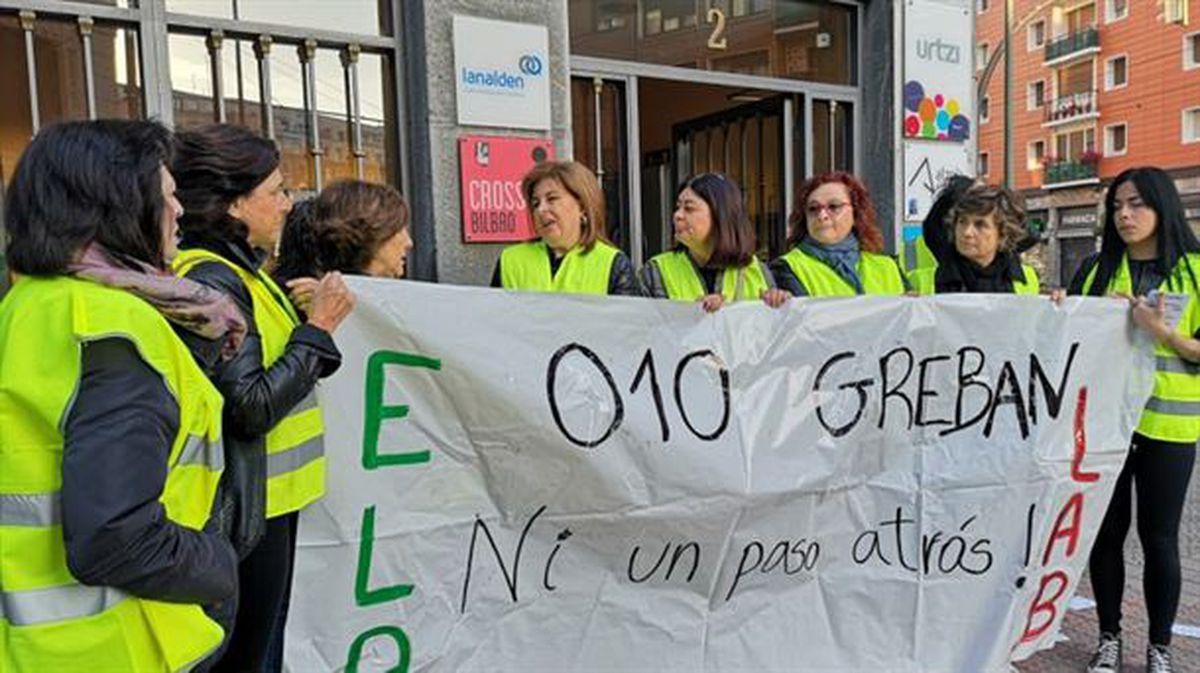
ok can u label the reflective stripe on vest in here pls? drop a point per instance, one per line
(1172, 414)
(683, 282)
(526, 266)
(879, 275)
(924, 281)
(56, 604)
(49, 621)
(288, 490)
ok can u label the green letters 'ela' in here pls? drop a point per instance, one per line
(376, 411)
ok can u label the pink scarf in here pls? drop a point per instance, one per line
(195, 307)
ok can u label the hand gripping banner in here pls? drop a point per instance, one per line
(522, 482)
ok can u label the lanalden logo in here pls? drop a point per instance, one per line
(529, 65)
(493, 79)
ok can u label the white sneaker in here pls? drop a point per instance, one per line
(1107, 658)
(1158, 659)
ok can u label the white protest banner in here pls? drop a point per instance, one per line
(523, 482)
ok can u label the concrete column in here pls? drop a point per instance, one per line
(436, 176)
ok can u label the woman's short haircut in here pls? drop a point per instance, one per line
(984, 200)
(870, 238)
(734, 241)
(582, 184)
(84, 182)
(214, 166)
(340, 230)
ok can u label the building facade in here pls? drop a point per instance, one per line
(643, 91)
(1098, 86)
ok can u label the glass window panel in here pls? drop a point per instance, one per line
(116, 62)
(377, 86)
(191, 81)
(798, 39)
(368, 17)
(61, 90)
(583, 121)
(15, 124)
(337, 159)
(239, 73)
(287, 101)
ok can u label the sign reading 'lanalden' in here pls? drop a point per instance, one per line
(502, 72)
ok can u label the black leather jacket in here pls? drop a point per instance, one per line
(256, 397)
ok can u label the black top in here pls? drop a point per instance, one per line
(621, 278)
(959, 274)
(1144, 275)
(117, 440)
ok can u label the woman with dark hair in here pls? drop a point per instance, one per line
(977, 250)
(1147, 251)
(234, 205)
(110, 433)
(713, 261)
(572, 255)
(836, 247)
(353, 227)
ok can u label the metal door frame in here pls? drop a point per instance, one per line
(630, 73)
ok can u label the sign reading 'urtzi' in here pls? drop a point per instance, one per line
(524, 482)
(501, 73)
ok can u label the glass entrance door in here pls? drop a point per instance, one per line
(600, 138)
(746, 144)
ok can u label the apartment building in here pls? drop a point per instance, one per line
(1099, 86)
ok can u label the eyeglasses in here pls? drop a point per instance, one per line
(815, 209)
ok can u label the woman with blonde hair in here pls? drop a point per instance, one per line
(572, 253)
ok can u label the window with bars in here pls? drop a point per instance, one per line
(322, 83)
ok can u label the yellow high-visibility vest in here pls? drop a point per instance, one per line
(49, 621)
(296, 445)
(1173, 412)
(683, 282)
(526, 266)
(880, 274)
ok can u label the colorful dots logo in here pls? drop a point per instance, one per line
(933, 117)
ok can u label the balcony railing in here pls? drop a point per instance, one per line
(1069, 171)
(1066, 108)
(1072, 42)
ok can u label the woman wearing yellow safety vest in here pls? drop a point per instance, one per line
(978, 251)
(110, 433)
(566, 205)
(234, 206)
(1147, 251)
(714, 260)
(836, 247)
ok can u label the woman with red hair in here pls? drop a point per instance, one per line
(836, 248)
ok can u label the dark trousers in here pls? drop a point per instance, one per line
(264, 583)
(1159, 472)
